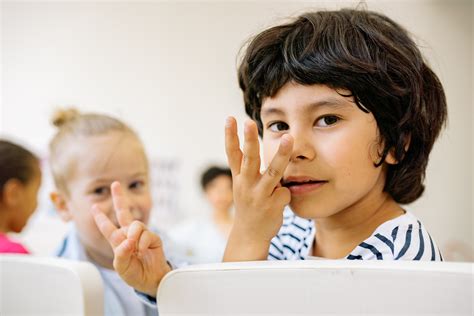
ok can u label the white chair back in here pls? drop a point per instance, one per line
(32, 285)
(319, 287)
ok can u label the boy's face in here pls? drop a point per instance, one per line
(335, 148)
(100, 160)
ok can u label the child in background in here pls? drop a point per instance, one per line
(88, 153)
(348, 112)
(20, 180)
(216, 182)
(203, 239)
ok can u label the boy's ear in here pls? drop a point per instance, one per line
(12, 193)
(390, 159)
(61, 206)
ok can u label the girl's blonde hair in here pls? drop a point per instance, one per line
(73, 125)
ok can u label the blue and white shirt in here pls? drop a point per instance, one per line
(402, 238)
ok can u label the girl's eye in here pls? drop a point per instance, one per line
(136, 184)
(100, 190)
(327, 120)
(278, 126)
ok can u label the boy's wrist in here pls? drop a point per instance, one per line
(245, 247)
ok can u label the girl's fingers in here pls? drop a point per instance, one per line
(232, 146)
(113, 235)
(143, 238)
(123, 255)
(135, 230)
(251, 156)
(274, 173)
(121, 206)
(148, 240)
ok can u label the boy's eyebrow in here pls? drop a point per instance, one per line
(334, 103)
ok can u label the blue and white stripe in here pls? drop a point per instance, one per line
(402, 238)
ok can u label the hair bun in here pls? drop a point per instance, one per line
(63, 116)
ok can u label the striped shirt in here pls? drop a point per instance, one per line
(402, 238)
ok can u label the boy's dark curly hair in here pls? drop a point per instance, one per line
(376, 60)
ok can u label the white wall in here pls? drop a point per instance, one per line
(169, 69)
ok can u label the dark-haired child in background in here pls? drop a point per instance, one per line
(203, 239)
(20, 180)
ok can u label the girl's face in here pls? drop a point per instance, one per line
(99, 161)
(29, 201)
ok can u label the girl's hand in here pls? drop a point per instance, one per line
(138, 253)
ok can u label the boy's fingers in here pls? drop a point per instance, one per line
(282, 196)
(122, 210)
(113, 235)
(232, 146)
(251, 158)
(272, 176)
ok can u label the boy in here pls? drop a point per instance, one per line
(349, 110)
(348, 113)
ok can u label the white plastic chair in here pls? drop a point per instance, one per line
(32, 285)
(319, 287)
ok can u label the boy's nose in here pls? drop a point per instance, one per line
(303, 147)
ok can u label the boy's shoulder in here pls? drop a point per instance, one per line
(402, 238)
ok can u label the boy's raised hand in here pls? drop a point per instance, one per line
(259, 198)
(138, 253)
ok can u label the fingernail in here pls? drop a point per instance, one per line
(94, 209)
(285, 141)
(228, 121)
(248, 126)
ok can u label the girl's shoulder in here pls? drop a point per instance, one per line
(9, 246)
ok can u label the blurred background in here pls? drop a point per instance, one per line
(169, 70)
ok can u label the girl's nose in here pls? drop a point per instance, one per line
(137, 215)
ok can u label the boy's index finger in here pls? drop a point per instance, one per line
(232, 145)
(274, 173)
(121, 206)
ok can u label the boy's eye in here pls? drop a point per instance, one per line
(327, 120)
(278, 126)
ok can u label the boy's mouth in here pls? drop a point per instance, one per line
(302, 185)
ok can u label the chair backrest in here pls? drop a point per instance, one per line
(32, 285)
(319, 287)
